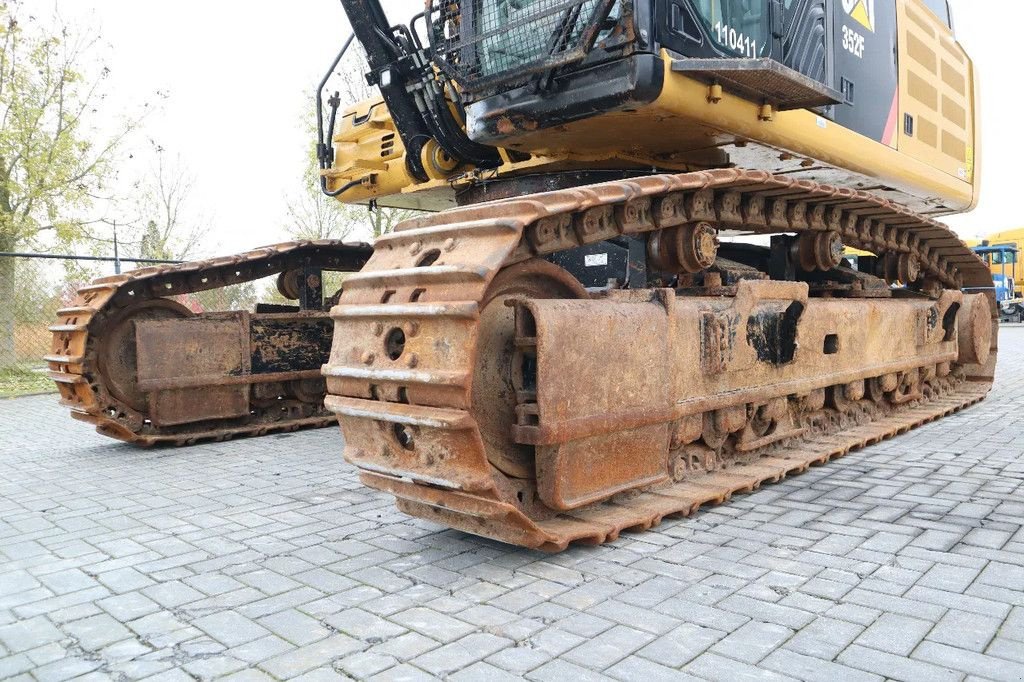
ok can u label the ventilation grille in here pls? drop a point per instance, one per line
(936, 81)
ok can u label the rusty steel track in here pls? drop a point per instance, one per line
(83, 329)
(416, 428)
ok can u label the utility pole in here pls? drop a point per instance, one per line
(117, 257)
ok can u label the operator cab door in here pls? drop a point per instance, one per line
(866, 72)
(849, 46)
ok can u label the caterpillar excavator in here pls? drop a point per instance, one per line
(628, 297)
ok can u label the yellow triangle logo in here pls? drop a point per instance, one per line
(863, 16)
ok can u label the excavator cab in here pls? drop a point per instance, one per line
(548, 63)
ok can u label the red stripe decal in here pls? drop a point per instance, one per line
(890, 126)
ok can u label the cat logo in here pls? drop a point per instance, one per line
(862, 11)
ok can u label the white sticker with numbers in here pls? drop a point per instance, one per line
(595, 259)
(853, 42)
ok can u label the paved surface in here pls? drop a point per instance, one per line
(265, 558)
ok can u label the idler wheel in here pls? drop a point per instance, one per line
(496, 372)
(974, 329)
(116, 359)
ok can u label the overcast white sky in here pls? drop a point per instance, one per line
(236, 74)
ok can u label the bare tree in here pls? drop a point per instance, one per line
(167, 228)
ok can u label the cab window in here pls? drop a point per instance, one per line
(739, 26)
(1001, 257)
(941, 9)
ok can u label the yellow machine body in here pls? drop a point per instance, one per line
(693, 125)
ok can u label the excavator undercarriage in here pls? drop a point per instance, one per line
(146, 369)
(488, 390)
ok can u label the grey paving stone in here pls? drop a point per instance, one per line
(808, 668)
(983, 537)
(483, 672)
(949, 578)
(824, 638)
(712, 666)
(1013, 626)
(230, 628)
(895, 633)
(294, 626)
(405, 647)
(558, 671)
(61, 601)
(484, 615)
(363, 664)
(609, 647)
(402, 673)
(303, 659)
(699, 614)
(1010, 649)
(97, 631)
(585, 624)
(906, 606)
(970, 662)
(367, 626)
(64, 669)
(212, 584)
(954, 600)
(72, 613)
(251, 605)
(854, 613)
(171, 594)
(432, 624)
(71, 580)
(965, 630)
(249, 675)
(554, 641)
(461, 653)
(12, 582)
(123, 580)
(682, 645)
(260, 649)
(896, 667)
(636, 669)
(519, 659)
(753, 641)
(767, 611)
(28, 634)
(214, 667)
(633, 616)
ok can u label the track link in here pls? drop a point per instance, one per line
(81, 328)
(434, 272)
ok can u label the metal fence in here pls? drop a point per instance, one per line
(33, 287)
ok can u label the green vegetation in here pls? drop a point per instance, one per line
(21, 380)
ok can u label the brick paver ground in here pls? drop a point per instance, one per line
(265, 558)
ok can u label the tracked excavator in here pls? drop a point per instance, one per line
(628, 297)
